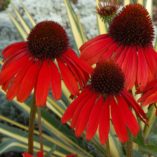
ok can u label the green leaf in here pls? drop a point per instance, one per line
(76, 26)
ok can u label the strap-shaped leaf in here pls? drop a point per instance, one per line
(76, 27)
(21, 20)
(18, 27)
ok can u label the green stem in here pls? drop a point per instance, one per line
(129, 148)
(151, 121)
(31, 127)
(40, 129)
(108, 152)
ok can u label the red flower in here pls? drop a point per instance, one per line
(39, 154)
(104, 99)
(40, 63)
(129, 43)
(107, 9)
(149, 93)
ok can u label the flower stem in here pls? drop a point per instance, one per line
(108, 152)
(151, 121)
(40, 129)
(129, 148)
(31, 127)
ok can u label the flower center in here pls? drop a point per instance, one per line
(107, 78)
(132, 26)
(47, 40)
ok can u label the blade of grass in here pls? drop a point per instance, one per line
(55, 131)
(76, 28)
(21, 20)
(28, 14)
(18, 27)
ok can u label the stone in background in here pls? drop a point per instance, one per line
(49, 10)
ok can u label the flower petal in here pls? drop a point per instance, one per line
(79, 108)
(130, 100)
(40, 154)
(128, 117)
(15, 85)
(28, 82)
(12, 49)
(70, 54)
(12, 69)
(84, 115)
(68, 78)
(55, 81)
(43, 84)
(73, 106)
(94, 119)
(118, 122)
(25, 154)
(104, 122)
(142, 69)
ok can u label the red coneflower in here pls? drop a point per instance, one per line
(129, 43)
(40, 63)
(107, 9)
(103, 99)
(39, 154)
(149, 93)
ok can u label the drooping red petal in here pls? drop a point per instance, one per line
(150, 99)
(40, 154)
(120, 55)
(77, 72)
(147, 94)
(79, 107)
(11, 70)
(94, 117)
(12, 49)
(94, 49)
(150, 85)
(28, 82)
(104, 122)
(118, 122)
(151, 57)
(25, 154)
(109, 52)
(43, 84)
(82, 74)
(55, 81)
(130, 100)
(129, 67)
(14, 87)
(70, 54)
(142, 69)
(73, 106)
(99, 54)
(94, 40)
(68, 78)
(84, 115)
(128, 117)
(11, 60)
